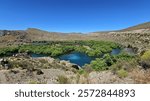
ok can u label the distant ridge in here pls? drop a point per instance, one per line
(145, 25)
(33, 34)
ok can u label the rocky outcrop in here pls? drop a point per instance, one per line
(48, 59)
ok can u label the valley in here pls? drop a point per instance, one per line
(34, 56)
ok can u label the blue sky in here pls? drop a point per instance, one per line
(73, 15)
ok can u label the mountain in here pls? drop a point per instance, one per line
(144, 26)
(10, 37)
(135, 34)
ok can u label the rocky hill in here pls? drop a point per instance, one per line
(136, 36)
(21, 68)
(9, 37)
(145, 26)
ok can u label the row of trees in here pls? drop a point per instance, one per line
(96, 48)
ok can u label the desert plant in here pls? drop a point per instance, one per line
(145, 60)
(63, 79)
(44, 61)
(99, 64)
(122, 73)
(81, 71)
(140, 75)
(36, 82)
(146, 56)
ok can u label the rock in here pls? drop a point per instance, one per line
(145, 64)
(63, 62)
(15, 71)
(68, 64)
(49, 59)
(141, 51)
(5, 64)
(107, 77)
(76, 66)
(101, 77)
(1, 60)
(22, 55)
(39, 72)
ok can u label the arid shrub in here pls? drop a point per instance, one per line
(116, 67)
(141, 76)
(36, 82)
(81, 71)
(87, 68)
(43, 61)
(145, 60)
(122, 73)
(63, 79)
(125, 65)
(146, 56)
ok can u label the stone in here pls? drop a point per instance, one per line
(39, 72)
(68, 64)
(76, 66)
(49, 59)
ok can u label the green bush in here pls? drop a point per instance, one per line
(63, 47)
(146, 56)
(81, 71)
(122, 73)
(124, 56)
(98, 64)
(145, 60)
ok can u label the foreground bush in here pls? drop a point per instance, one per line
(122, 73)
(98, 64)
(63, 80)
(146, 56)
(145, 60)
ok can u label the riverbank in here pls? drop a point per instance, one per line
(112, 64)
(50, 71)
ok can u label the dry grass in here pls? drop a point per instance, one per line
(141, 76)
(63, 80)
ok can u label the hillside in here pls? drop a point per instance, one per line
(9, 37)
(139, 26)
(22, 67)
(40, 35)
(136, 36)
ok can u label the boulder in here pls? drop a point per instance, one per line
(5, 64)
(49, 59)
(76, 66)
(145, 64)
(68, 64)
(22, 55)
